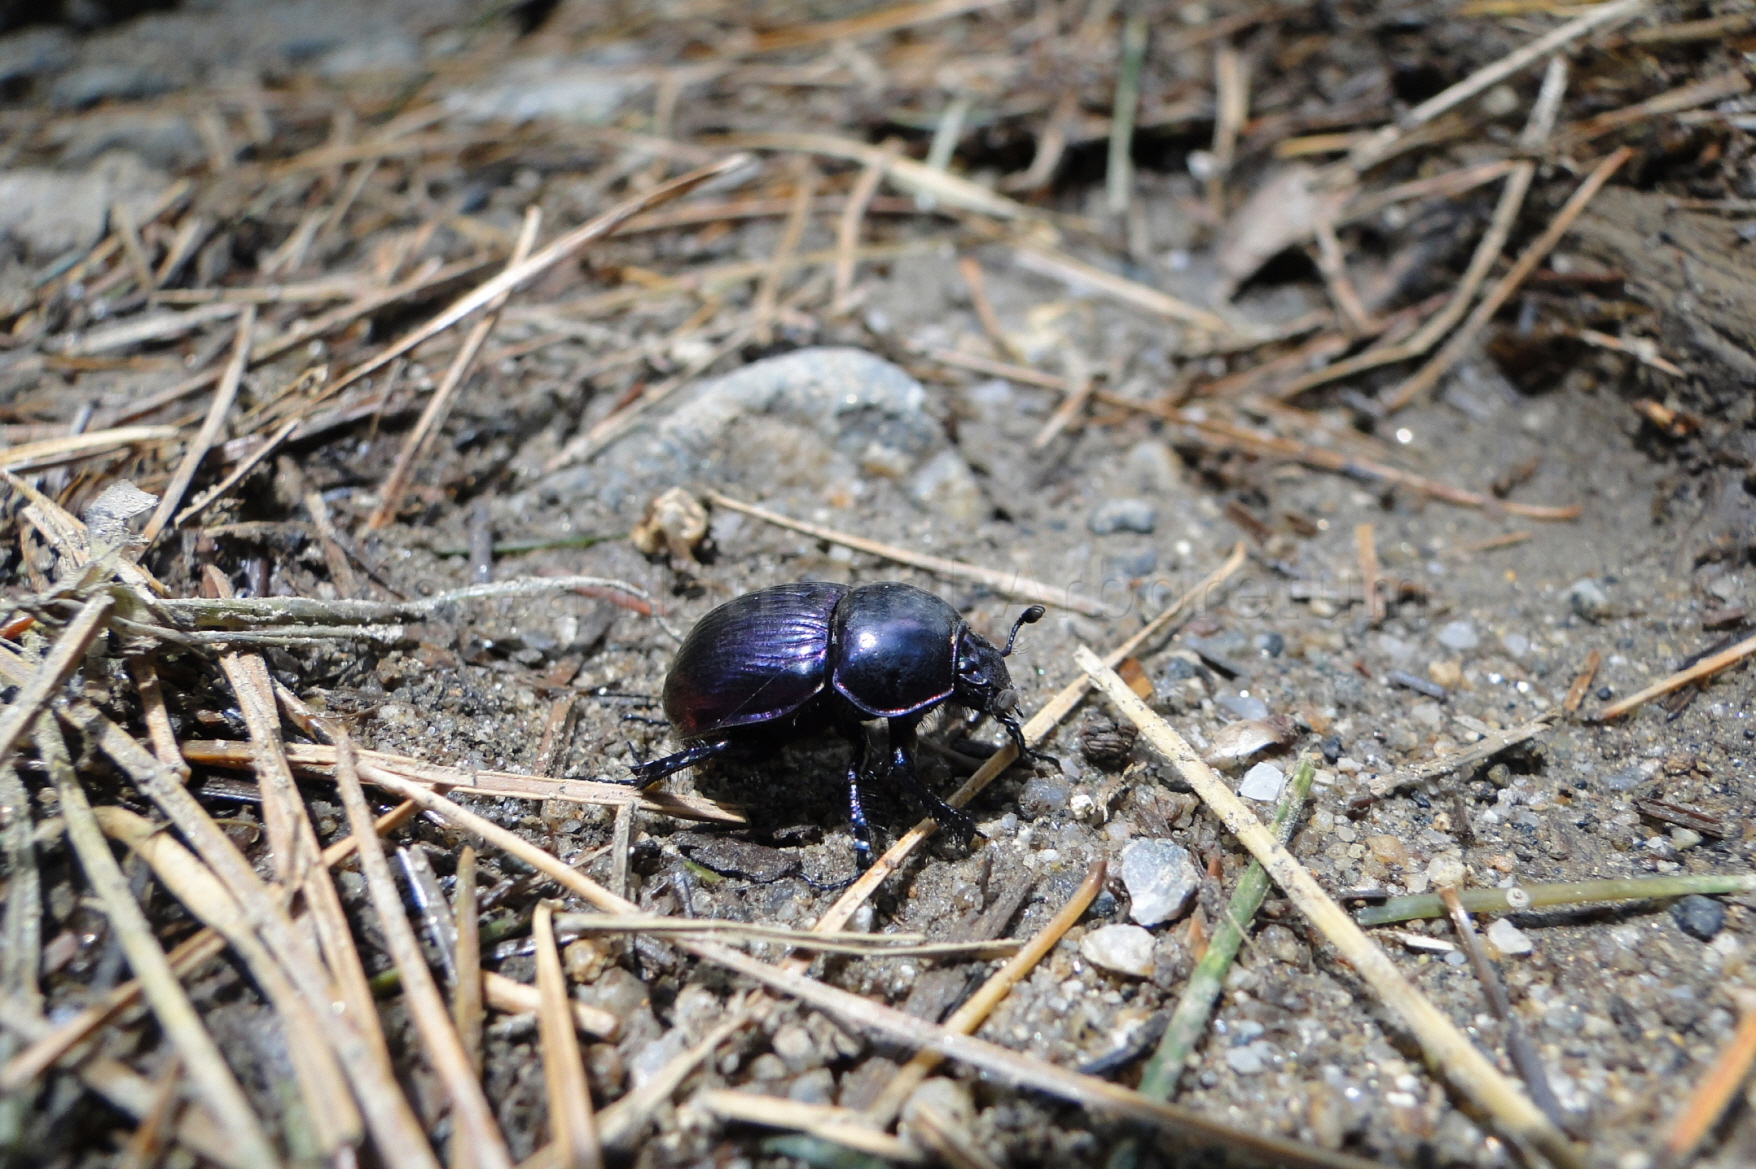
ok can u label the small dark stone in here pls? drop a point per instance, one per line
(1331, 748)
(1272, 644)
(1699, 917)
(1179, 669)
(731, 857)
(1604, 693)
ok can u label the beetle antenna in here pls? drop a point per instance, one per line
(1029, 617)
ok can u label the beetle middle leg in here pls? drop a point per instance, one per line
(856, 737)
(902, 762)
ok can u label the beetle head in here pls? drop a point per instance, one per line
(984, 683)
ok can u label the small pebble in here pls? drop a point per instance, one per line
(1699, 917)
(1123, 515)
(1517, 644)
(1411, 682)
(1272, 644)
(1459, 635)
(1243, 705)
(1160, 879)
(1508, 938)
(1588, 599)
(1263, 783)
(1124, 949)
(1247, 1061)
(1682, 838)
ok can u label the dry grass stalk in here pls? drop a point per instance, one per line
(1715, 1091)
(1050, 262)
(768, 288)
(1490, 543)
(882, 20)
(210, 430)
(1704, 668)
(518, 998)
(1119, 171)
(1366, 550)
(439, 405)
(57, 666)
(1384, 141)
(1577, 690)
(847, 232)
(839, 1126)
(1035, 729)
(915, 177)
(561, 249)
(1518, 1044)
(1502, 291)
(1356, 318)
(1490, 745)
(1011, 584)
(1231, 103)
(977, 285)
(621, 849)
(1447, 1047)
(1522, 898)
(980, 1005)
(466, 997)
(56, 452)
(572, 1128)
(212, 1079)
(823, 941)
(317, 759)
(1080, 380)
(335, 1121)
(1686, 97)
(282, 805)
(470, 1111)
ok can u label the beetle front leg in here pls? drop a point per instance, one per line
(902, 760)
(648, 773)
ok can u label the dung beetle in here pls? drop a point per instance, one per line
(796, 659)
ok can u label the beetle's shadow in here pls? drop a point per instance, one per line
(805, 782)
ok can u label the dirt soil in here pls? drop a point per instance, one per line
(848, 420)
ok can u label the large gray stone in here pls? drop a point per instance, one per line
(807, 419)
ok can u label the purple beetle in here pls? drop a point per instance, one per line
(796, 659)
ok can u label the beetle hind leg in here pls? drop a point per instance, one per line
(650, 772)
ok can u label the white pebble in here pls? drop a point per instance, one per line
(1263, 783)
(1508, 938)
(1125, 949)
